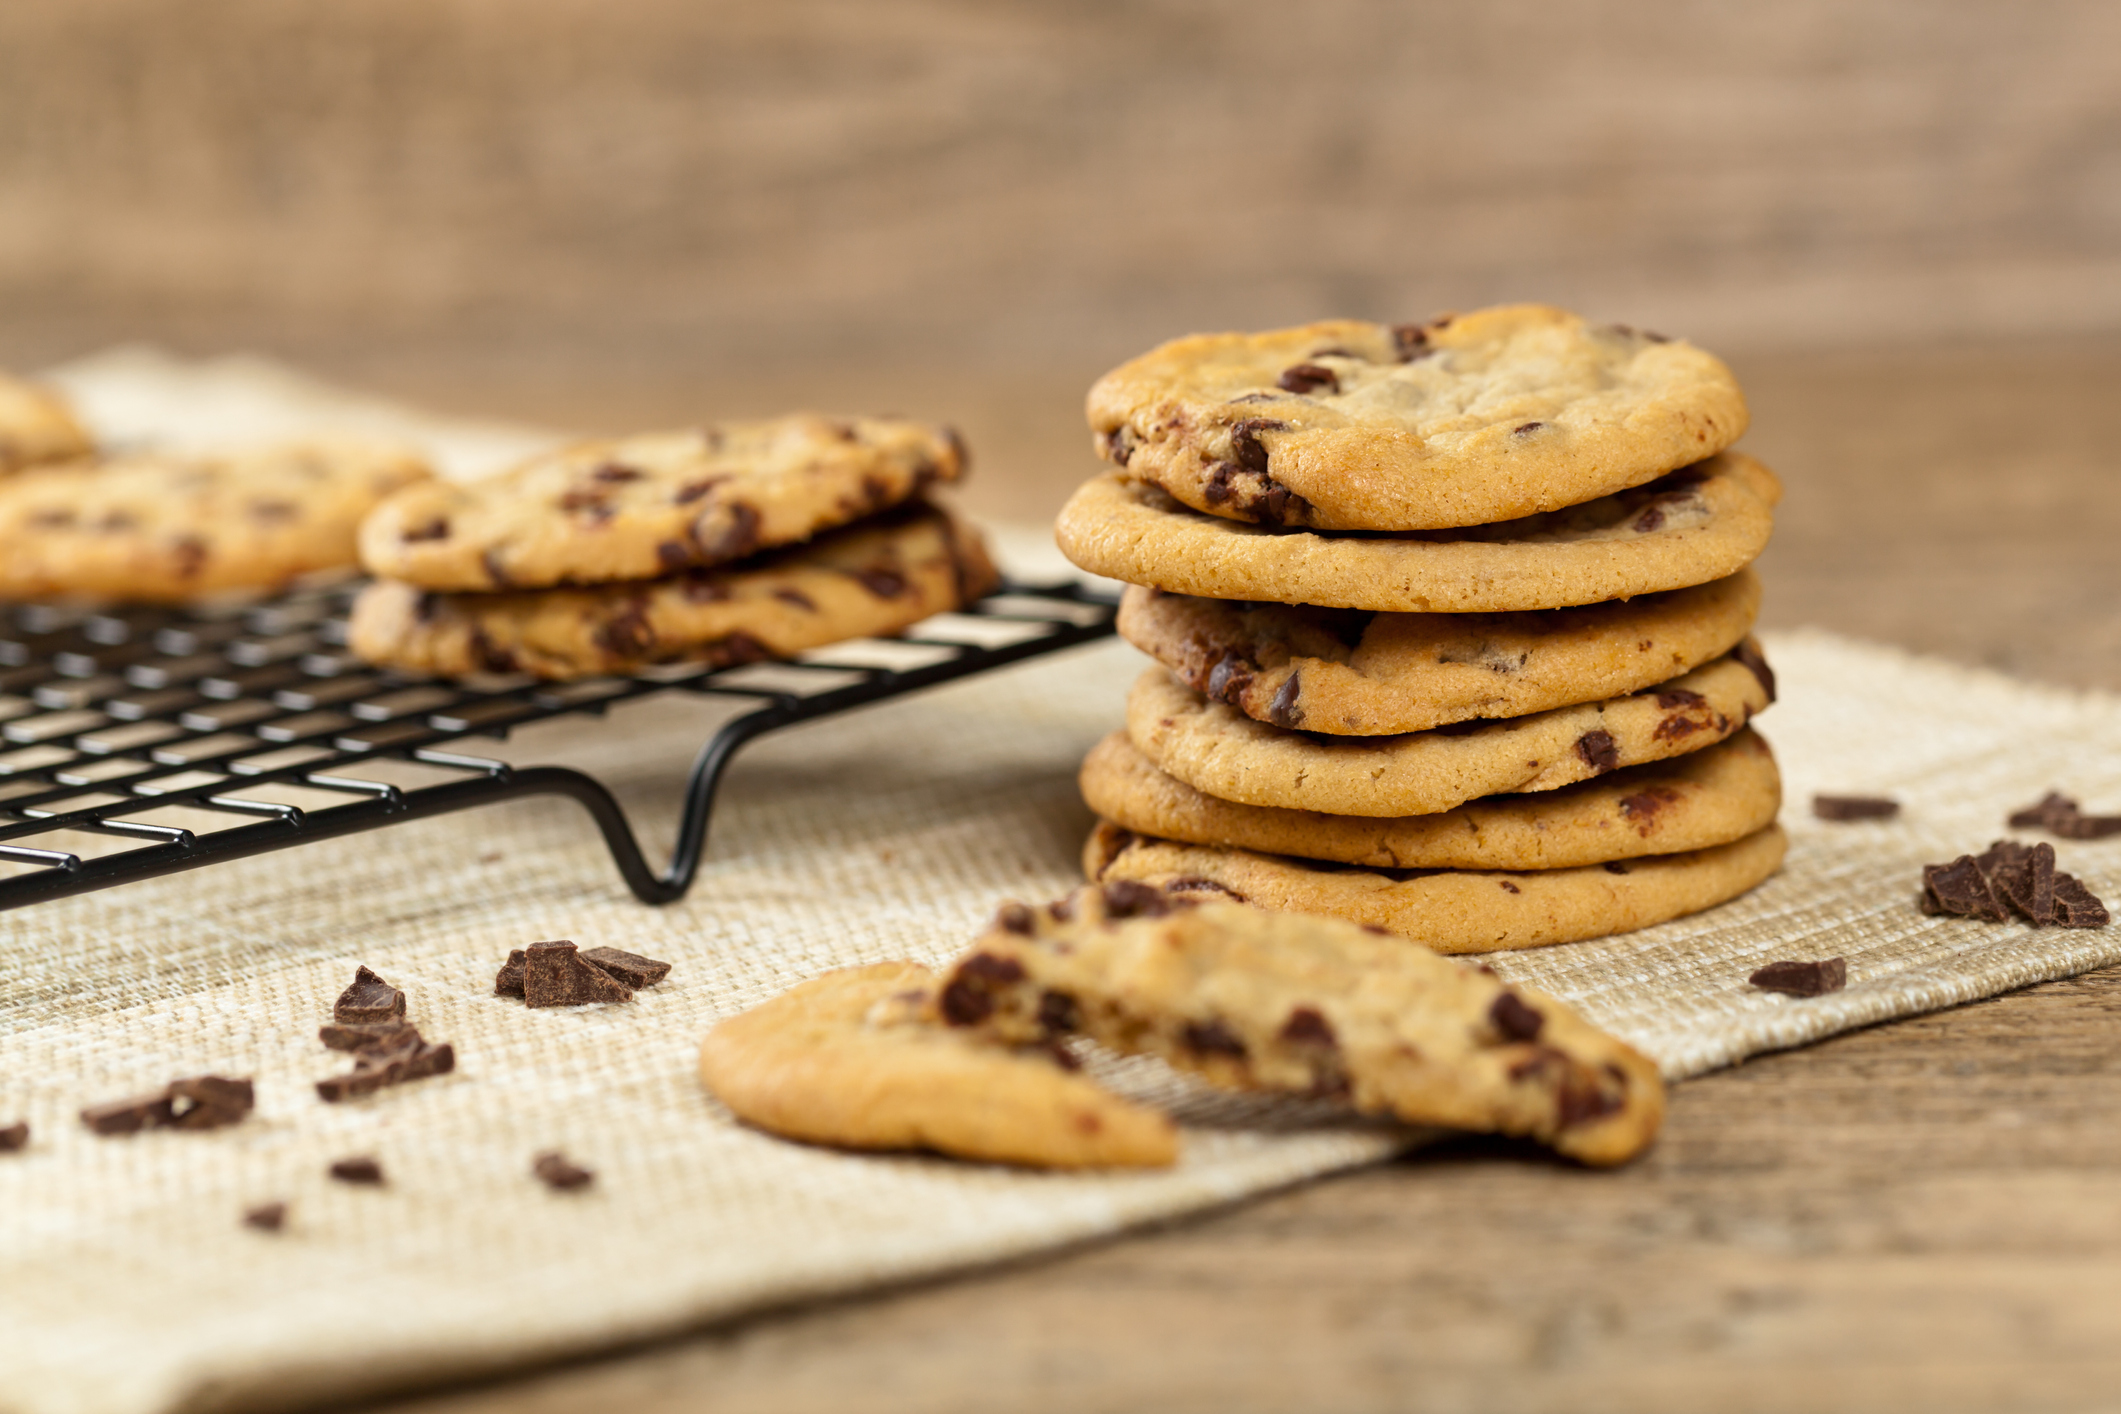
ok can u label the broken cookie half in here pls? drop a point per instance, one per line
(1254, 1000)
(855, 1058)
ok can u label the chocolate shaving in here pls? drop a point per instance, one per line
(266, 1217)
(1960, 890)
(394, 1062)
(1855, 807)
(361, 1168)
(555, 1171)
(365, 1035)
(15, 1137)
(629, 967)
(200, 1102)
(2058, 814)
(1803, 978)
(370, 998)
(556, 974)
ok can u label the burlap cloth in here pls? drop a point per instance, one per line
(128, 1285)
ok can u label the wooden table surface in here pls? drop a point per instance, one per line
(1925, 1215)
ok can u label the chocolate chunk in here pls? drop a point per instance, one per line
(1526, 429)
(266, 1217)
(1244, 442)
(1283, 505)
(1748, 653)
(627, 634)
(672, 556)
(1803, 978)
(1583, 1099)
(1410, 341)
(365, 1035)
(1118, 445)
(1642, 807)
(555, 974)
(130, 1116)
(1652, 518)
(968, 998)
(1231, 675)
(2076, 906)
(555, 1171)
(1614, 866)
(1307, 1026)
(1212, 1038)
(1677, 727)
(1058, 1012)
(1599, 751)
(985, 966)
(1516, 1018)
(2023, 876)
(1510, 888)
(15, 1137)
(436, 529)
(2058, 814)
(390, 1064)
(736, 539)
(1194, 884)
(1305, 377)
(1283, 711)
(1130, 898)
(883, 582)
(508, 982)
(361, 1168)
(1961, 890)
(629, 967)
(1217, 489)
(1671, 697)
(1855, 807)
(370, 998)
(209, 1102)
(1015, 918)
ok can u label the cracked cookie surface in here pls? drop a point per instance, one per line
(1253, 1000)
(1701, 523)
(1708, 797)
(1218, 750)
(879, 577)
(854, 1059)
(1452, 910)
(1469, 419)
(1348, 672)
(639, 507)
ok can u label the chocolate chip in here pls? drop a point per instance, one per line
(1283, 505)
(1614, 866)
(1217, 490)
(883, 582)
(2023, 876)
(1057, 1012)
(1307, 1026)
(968, 998)
(361, 1168)
(209, 1102)
(731, 649)
(365, 1035)
(1510, 888)
(508, 982)
(692, 490)
(555, 1171)
(1803, 978)
(392, 1063)
(1652, 518)
(797, 598)
(1014, 917)
(266, 1217)
(1304, 377)
(2058, 814)
(188, 553)
(15, 1137)
(627, 634)
(555, 974)
(704, 587)
(1516, 1018)
(1642, 806)
(1526, 429)
(629, 967)
(1194, 884)
(1677, 727)
(732, 541)
(1283, 711)
(1748, 653)
(1679, 697)
(1583, 1099)
(965, 1004)
(1598, 750)
(1117, 843)
(1410, 341)
(369, 998)
(1129, 898)
(1244, 442)
(583, 498)
(1230, 676)
(1960, 889)
(613, 471)
(1212, 1038)
(1118, 445)
(672, 556)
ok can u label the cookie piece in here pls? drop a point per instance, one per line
(36, 426)
(854, 1059)
(1702, 523)
(165, 527)
(1470, 419)
(1707, 797)
(1451, 910)
(1217, 749)
(644, 506)
(1252, 1000)
(1349, 672)
(879, 577)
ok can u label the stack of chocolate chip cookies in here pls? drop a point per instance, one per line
(724, 544)
(1450, 621)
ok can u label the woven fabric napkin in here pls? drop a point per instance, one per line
(129, 1286)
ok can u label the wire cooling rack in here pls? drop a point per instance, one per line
(144, 742)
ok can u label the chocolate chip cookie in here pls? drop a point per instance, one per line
(1701, 523)
(1251, 1000)
(854, 1059)
(1217, 749)
(1351, 672)
(166, 527)
(36, 426)
(1708, 797)
(879, 577)
(1471, 419)
(1452, 910)
(645, 506)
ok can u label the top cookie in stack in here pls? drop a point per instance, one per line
(721, 545)
(1451, 622)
